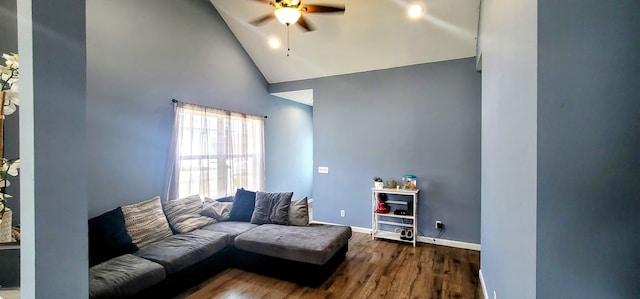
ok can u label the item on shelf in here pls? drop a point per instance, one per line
(400, 212)
(383, 197)
(409, 181)
(378, 183)
(383, 208)
(406, 234)
(391, 184)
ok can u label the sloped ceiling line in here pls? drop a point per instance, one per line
(371, 35)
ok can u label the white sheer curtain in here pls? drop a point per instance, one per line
(214, 152)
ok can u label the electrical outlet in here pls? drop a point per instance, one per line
(323, 169)
(342, 213)
(439, 224)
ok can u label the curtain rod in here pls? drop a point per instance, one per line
(176, 101)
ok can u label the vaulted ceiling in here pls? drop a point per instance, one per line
(370, 35)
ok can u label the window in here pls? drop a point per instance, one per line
(216, 152)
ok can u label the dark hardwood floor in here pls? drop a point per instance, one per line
(372, 269)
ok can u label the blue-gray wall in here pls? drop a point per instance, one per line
(421, 119)
(53, 248)
(508, 46)
(9, 44)
(9, 26)
(289, 147)
(588, 149)
(560, 89)
(140, 55)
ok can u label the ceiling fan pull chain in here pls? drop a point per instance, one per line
(288, 47)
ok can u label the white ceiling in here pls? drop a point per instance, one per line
(303, 96)
(371, 35)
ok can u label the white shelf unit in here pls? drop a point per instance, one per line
(376, 232)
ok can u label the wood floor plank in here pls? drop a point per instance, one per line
(372, 269)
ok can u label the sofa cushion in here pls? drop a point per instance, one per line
(123, 276)
(146, 222)
(272, 208)
(231, 228)
(184, 214)
(314, 244)
(243, 204)
(108, 237)
(180, 251)
(215, 209)
(299, 212)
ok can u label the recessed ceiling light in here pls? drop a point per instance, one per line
(415, 10)
(274, 43)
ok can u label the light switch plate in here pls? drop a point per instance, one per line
(323, 169)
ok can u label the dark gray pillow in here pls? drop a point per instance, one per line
(272, 208)
(243, 204)
(108, 237)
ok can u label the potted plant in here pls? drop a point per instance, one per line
(9, 101)
(378, 183)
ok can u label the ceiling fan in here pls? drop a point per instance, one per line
(290, 12)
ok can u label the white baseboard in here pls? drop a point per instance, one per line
(484, 286)
(363, 230)
(450, 243)
(421, 239)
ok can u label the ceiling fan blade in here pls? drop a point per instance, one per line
(259, 21)
(267, 2)
(321, 8)
(302, 21)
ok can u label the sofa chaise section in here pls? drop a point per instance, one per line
(313, 244)
(306, 255)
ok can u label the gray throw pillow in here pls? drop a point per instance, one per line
(146, 222)
(216, 209)
(299, 212)
(184, 214)
(272, 208)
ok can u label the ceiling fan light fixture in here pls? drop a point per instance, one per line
(274, 43)
(416, 10)
(287, 15)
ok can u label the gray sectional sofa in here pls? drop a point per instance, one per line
(162, 269)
